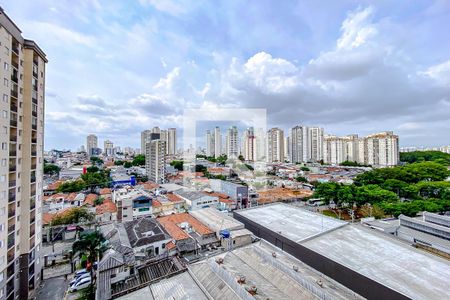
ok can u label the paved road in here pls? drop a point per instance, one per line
(53, 288)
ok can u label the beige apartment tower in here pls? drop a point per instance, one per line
(22, 101)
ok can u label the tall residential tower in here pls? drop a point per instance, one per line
(22, 93)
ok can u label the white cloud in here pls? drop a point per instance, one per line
(440, 73)
(357, 29)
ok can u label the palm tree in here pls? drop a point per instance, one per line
(92, 245)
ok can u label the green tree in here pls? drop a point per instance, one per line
(127, 164)
(200, 168)
(94, 180)
(434, 189)
(177, 164)
(51, 169)
(93, 246)
(139, 160)
(419, 156)
(71, 186)
(96, 160)
(301, 179)
(118, 162)
(73, 215)
(305, 169)
(92, 169)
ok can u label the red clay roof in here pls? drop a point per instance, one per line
(54, 185)
(105, 207)
(71, 196)
(156, 203)
(90, 199)
(105, 191)
(149, 185)
(173, 197)
(170, 245)
(171, 225)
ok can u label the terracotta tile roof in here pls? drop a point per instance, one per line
(171, 225)
(280, 194)
(90, 199)
(105, 191)
(156, 203)
(149, 185)
(105, 207)
(71, 196)
(228, 201)
(54, 185)
(47, 218)
(173, 197)
(170, 245)
(220, 195)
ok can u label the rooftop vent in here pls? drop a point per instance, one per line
(219, 260)
(295, 268)
(274, 254)
(241, 279)
(252, 290)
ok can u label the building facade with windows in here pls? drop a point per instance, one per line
(22, 93)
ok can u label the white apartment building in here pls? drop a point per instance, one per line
(315, 143)
(108, 148)
(145, 136)
(171, 141)
(132, 203)
(217, 142)
(155, 161)
(378, 150)
(299, 142)
(232, 142)
(91, 143)
(22, 102)
(209, 143)
(275, 145)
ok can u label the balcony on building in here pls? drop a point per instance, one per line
(15, 75)
(13, 105)
(32, 204)
(15, 47)
(11, 210)
(11, 195)
(11, 240)
(32, 242)
(33, 177)
(14, 90)
(34, 123)
(12, 165)
(12, 150)
(11, 226)
(32, 230)
(32, 218)
(34, 137)
(13, 119)
(34, 96)
(33, 150)
(10, 257)
(10, 285)
(33, 191)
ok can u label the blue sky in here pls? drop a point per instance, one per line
(118, 67)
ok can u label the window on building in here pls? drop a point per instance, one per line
(5, 66)
(5, 98)
(4, 162)
(4, 114)
(4, 146)
(5, 82)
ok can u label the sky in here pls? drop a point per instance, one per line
(119, 67)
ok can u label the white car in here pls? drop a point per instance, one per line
(81, 272)
(82, 276)
(83, 283)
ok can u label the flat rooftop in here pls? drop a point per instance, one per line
(181, 286)
(216, 220)
(294, 223)
(273, 277)
(385, 259)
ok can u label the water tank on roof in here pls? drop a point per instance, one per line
(225, 233)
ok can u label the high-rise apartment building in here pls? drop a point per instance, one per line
(275, 145)
(155, 160)
(217, 142)
(91, 144)
(378, 150)
(108, 148)
(249, 145)
(287, 146)
(171, 141)
(299, 142)
(232, 142)
(209, 143)
(145, 135)
(22, 93)
(315, 144)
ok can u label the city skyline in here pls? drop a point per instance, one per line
(347, 66)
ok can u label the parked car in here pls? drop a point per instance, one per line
(76, 279)
(81, 272)
(82, 284)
